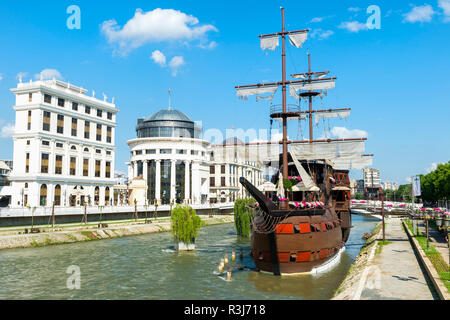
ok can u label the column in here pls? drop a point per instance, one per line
(187, 182)
(135, 169)
(196, 183)
(173, 175)
(130, 171)
(145, 170)
(158, 181)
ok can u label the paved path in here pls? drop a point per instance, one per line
(395, 273)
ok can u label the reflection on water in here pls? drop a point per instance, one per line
(148, 267)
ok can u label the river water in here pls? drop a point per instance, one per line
(147, 267)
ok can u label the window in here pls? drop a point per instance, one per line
(44, 163)
(109, 115)
(97, 168)
(87, 129)
(47, 98)
(86, 150)
(138, 152)
(222, 169)
(74, 127)
(108, 170)
(27, 163)
(165, 151)
(98, 151)
(87, 110)
(28, 142)
(73, 148)
(151, 151)
(74, 106)
(85, 167)
(108, 134)
(45, 143)
(59, 145)
(181, 151)
(222, 181)
(212, 169)
(57, 200)
(30, 97)
(29, 120)
(99, 132)
(61, 102)
(99, 113)
(212, 182)
(194, 152)
(60, 124)
(58, 164)
(108, 153)
(43, 195)
(73, 166)
(46, 121)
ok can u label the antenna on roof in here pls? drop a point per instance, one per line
(170, 108)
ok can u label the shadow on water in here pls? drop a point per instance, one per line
(148, 267)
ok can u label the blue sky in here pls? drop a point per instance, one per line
(395, 79)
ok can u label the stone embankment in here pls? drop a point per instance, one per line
(64, 234)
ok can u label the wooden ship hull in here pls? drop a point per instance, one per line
(301, 240)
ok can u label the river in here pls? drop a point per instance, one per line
(147, 267)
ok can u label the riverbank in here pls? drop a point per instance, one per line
(387, 271)
(13, 238)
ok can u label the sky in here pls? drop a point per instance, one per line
(394, 74)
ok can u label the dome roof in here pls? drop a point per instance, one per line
(168, 115)
(232, 141)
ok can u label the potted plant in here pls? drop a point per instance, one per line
(185, 225)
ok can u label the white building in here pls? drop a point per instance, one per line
(372, 178)
(170, 156)
(225, 173)
(64, 146)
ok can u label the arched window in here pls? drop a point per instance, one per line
(73, 148)
(57, 200)
(107, 196)
(86, 149)
(43, 196)
(96, 196)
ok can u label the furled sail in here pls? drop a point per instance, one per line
(324, 85)
(244, 93)
(327, 150)
(298, 38)
(343, 114)
(302, 116)
(270, 42)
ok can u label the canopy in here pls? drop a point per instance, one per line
(267, 187)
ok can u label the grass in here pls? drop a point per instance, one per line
(435, 257)
(380, 246)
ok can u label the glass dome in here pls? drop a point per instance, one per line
(167, 123)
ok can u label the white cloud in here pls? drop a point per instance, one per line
(344, 133)
(209, 46)
(159, 58)
(433, 167)
(7, 131)
(419, 14)
(21, 75)
(354, 9)
(154, 26)
(321, 34)
(318, 19)
(48, 74)
(445, 6)
(1, 77)
(175, 63)
(353, 26)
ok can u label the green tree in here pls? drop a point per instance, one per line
(243, 216)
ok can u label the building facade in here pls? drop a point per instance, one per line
(226, 171)
(64, 146)
(170, 156)
(372, 178)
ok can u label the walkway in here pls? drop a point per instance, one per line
(437, 239)
(395, 273)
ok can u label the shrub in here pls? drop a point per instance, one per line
(185, 224)
(243, 216)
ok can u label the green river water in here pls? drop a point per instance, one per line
(147, 268)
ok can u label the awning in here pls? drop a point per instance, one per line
(341, 189)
